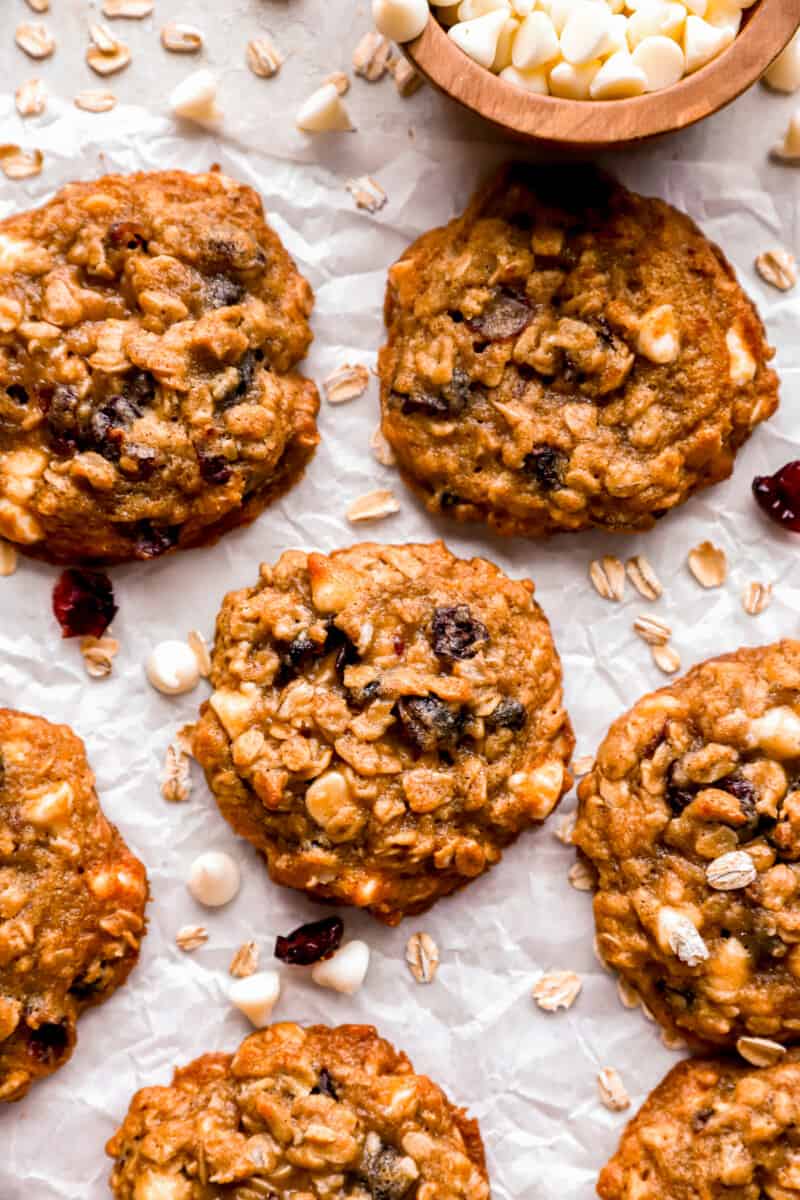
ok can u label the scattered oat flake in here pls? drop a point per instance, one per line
(191, 937)
(176, 779)
(708, 564)
(181, 39)
(612, 1090)
(263, 57)
(565, 829)
(96, 101)
(628, 995)
(35, 39)
(407, 79)
(666, 657)
(30, 98)
(760, 1052)
(371, 56)
(608, 576)
(133, 9)
(98, 655)
(756, 597)
(346, 383)
(381, 448)
(107, 63)
(39, 6)
(557, 989)
(583, 764)
(652, 631)
(339, 81)
(244, 961)
(672, 1040)
(582, 876)
(367, 193)
(8, 558)
(373, 506)
(103, 38)
(779, 268)
(422, 956)
(199, 647)
(643, 577)
(16, 163)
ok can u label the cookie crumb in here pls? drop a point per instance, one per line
(422, 956)
(245, 961)
(191, 937)
(612, 1090)
(557, 989)
(608, 577)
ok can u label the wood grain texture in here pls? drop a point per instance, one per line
(583, 124)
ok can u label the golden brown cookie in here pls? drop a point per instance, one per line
(714, 1129)
(150, 325)
(691, 818)
(385, 720)
(314, 1112)
(568, 354)
(72, 899)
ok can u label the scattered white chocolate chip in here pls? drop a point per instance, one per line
(400, 20)
(582, 876)
(779, 268)
(784, 74)
(213, 878)
(95, 100)
(346, 383)
(195, 98)
(666, 657)
(191, 937)
(789, 149)
(678, 934)
(371, 56)
(557, 989)
(98, 655)
(422, 956)
(35, 39)
(709, 564)
(643, 577)
(367, 193)
(652, 631)
(731, 871)
(172, 668)
(245, 961)
(181, 39)
(760, 1052)
(133, 9)
(256, 996)
(324, 112)
(199, 647)
(373, 506)
(608, 577)
(31, 98)
(479, 37)
(658, 337)
(756, 597)
(777, 732)
(612, 1090)
(16, 163)
(345, 970)
(263, 57)
(8, 558)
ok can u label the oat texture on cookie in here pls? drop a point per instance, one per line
(299, 1112)
(150, 326)
(72, 899)
(691, 817)
(568, 354)
(385, 719)
(712, 1128)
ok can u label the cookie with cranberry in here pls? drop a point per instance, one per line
(150, 326)
(72, 899)
(385, 720)
(712, 1128)
(568, 354)
(294, 1113)
(691, 818)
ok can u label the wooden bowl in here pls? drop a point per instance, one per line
(767, 28)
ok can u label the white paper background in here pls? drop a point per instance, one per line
(528, 1076)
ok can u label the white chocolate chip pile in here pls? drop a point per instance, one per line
(592, 49)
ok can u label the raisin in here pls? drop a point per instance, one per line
(140, 388)
(83, 603)
(247, 371)
(456, 633)
(62, 418)
(49, 1042)
(222, 291)
(505, 316)
(545, 464)
(429, 724)
(106, 426)
(449, 401)
(214, 468)
(325, 1085)
(778, 495)
(700, 1118)
(509, 714)
(151, 541)
(140, 461)
(449, 500)
(17, 393)
(362, 696)
(310, 943)
(746, 794)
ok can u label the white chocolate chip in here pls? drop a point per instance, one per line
(573, 83)
(784, 74)
(530, 81)
(743, 365)
(324, 112)
(656, 18)
(702, 42)
(535, 44)
(172, 668)
(777, 732)
(586, 34)
(214, 879)
(618, 78)
(400, 20)
(256, 996)
(195, 98)
(345, 970)
(658, 336)
(789, 149)
(478, 38)
(661, 59)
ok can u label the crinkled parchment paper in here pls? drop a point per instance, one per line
(530, 1077)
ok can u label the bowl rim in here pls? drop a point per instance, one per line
(770, 25)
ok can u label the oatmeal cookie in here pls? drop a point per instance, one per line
(712, 1129)
(316, 1112)
(691, 817)
(385, 720)
(72, 899)
(568, 354)
(149, 329)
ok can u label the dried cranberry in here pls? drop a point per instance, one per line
(127, 233)
(247, 372)
(106, 425)
(154, 540)
(678, 798)
(509, 714)
(83, 603)
(17, 393)
(449, 401)
(310, 943)
(360, 697)
(222, 291)
(746, 794)
(61, 408)
(325, 1085)
(778, 495)
(214, 468)
(545, 464)
(505, 316)
(140, 461)
(456, 633)
(49, 1042)
(429, 724)
(140, 388)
